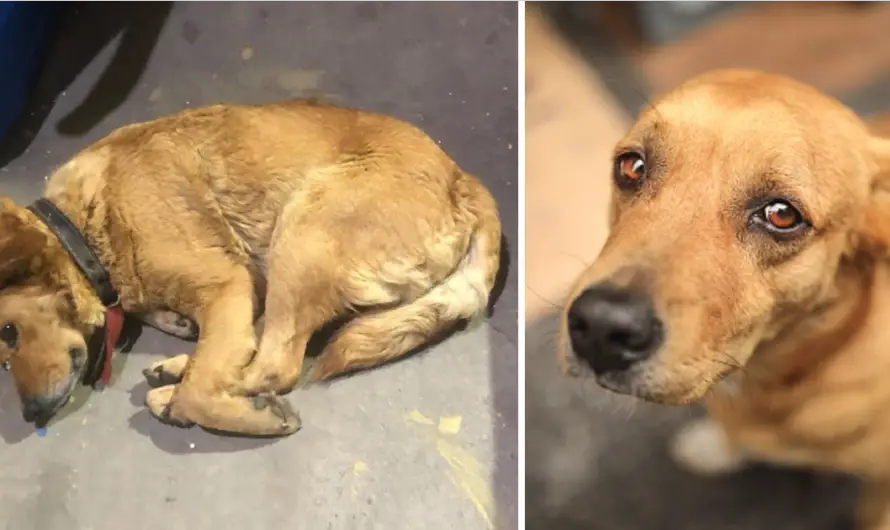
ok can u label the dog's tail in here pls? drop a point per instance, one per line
(386, 334)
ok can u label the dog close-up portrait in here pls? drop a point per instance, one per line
(745, 265)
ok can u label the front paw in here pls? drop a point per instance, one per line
(702, 447)
(167, 371)
(162, 405)
(280, 408)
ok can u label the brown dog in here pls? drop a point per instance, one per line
(747, 265)
(335, 210)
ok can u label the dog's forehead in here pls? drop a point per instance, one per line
(22, 301)
(716, 151)
(701, 138)
(704, 115)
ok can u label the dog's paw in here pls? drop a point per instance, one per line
(160, 402)
(167, 371)
(281, 408)
(173, 323)
(702, 447)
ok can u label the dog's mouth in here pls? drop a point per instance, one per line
(657, 384)
(39, 410)
(653, 381)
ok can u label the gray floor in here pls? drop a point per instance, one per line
(364, 458)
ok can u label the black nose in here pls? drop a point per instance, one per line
(612, 328)
(35, 408)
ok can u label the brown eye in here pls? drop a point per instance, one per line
(781, 216)
(630, 169)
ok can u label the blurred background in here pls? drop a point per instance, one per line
(596, 461)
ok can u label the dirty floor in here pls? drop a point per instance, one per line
(373, 452)
(596, 461)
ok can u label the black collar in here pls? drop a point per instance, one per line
(78, 248)
(74, 242)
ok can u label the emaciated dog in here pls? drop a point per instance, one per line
(747, 267)
(335, 211)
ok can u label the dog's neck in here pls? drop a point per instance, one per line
(75, 188)
(805, 344)
(61, 272)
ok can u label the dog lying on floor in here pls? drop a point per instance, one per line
(747, 267)
(333, 210)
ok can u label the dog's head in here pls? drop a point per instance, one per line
(45, 314)
(737, 197)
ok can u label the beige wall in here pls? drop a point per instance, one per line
(572, 123)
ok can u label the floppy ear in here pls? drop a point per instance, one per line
(20, 243)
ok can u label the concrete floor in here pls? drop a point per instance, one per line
(366, 458)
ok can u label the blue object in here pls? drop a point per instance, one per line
(41, 431)
(26, 29)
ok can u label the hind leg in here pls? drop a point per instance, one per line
(211, 392)
(307, 289)
(323, 262)
(385, 335)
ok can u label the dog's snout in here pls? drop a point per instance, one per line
(613, 328)
(36, 408)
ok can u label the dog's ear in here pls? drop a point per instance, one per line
(20, 242)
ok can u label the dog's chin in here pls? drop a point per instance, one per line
(61, 397)
(642, 386)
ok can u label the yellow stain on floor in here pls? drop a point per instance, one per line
(449, 424)
(469, 475)
(416, 416)
(465, 471)
(359, 468)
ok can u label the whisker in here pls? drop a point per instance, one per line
(543, 298)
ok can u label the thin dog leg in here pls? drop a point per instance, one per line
(873, 509)
(211, 394)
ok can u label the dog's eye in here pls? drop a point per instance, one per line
(9, 334)
(630, 170)
(781, 216)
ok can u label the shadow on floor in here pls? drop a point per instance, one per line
(599, 462)
(135, 25)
